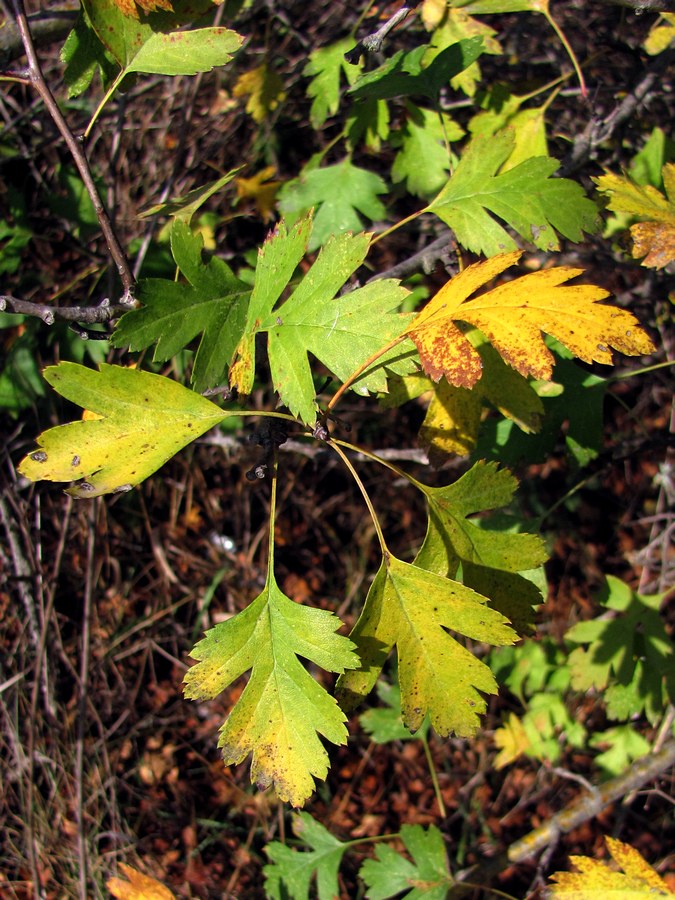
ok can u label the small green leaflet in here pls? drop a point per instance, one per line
(84, 55)
(185, 207)
(185, 52)
(213, 303)
(422, 138)
(290, 873)
(326, 65)
(404, 76)
(338, 194)
(452, 538)
(385, 723)
(342, 332)
(414, 610)
(629, 656)
(283, 709)
(426, 878)
(144, 420)
(526, 198)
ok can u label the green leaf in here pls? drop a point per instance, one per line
(342, 332)
(385, 723)
(423, 161)
(213, 303)
(84, 55)
(144, 420)
(621, 746)
(338, 194)
(426, 878)
(283, 709)
(185, 52)
(404, 75)
(414, 610)
(629, 656)
(185, 207)
(526, 198)
(290, 873)
(326, 65)
(452, 538)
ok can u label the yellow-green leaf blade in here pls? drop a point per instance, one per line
(282, 710)
(145, 419)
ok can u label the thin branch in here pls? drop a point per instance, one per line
(371, 43)
(587, 807)
(425, 259)
(38, 81)
(91, 315)
(600, 130)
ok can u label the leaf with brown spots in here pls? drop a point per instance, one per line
(282, 710)
(141, 421)
(654, 235)
(415, 610)
(513, 316)
(137, 886)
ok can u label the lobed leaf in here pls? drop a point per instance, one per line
(142, 420)
(427, 877)
(213, 303)
(525, 197)
(413, 610)
(513, 317)
(282, 709)
(290, 873)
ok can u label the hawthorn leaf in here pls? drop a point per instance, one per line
(213, 303)
(264, 89)
(404, 75)
(340, 194)
(185, 207)
(142, 420)
(186, 52)
(325, 67)
(621, 746)
(427, 877)
(654, 235)
(282, 710)
(661, 34)
(342, 332)
(83, 55)
(629, 656)
(595, 878)
(454, 25)
(137, 886)
(513, 315)
(526, 198)
(367, 121)
(291, 872)
(385, 723)
(413, 610)
(452, 538)
(451, 425)
(422, 137)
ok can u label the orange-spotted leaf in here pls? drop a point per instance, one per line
(654, 234)
(596, 879)
(137, 886)
(514, 316)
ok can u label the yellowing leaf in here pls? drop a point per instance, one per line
(513, 741)
(264, 88)
(596, 881)
(654, 235)
(262, 189)
(282, 710)
(416, 611)
(513, 317)
(661, 35)
(137, 886)
(140, 421)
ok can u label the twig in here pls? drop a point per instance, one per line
(586, 807)
(371, 43)
(36, 78)
(425, 259)
(600, 130)
(102, 313)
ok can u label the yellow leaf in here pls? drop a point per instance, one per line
(433, 12)
(513, 316)
(262, 189)
(137, 886)
(513, 740)
(660, 36)
(654, 235)
(596, 881)
(450, 427)
(263, 87)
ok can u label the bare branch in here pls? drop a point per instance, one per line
(90, 315)
(38, 81)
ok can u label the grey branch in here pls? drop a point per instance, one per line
(90, 315)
